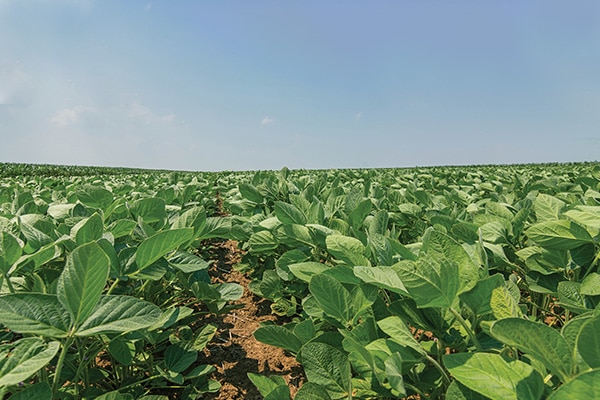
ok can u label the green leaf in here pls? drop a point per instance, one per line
(588, 342)
(333, 297)
(547, 208)
(492, 376)
(119, 314)
(121, 228)
(347, 249)
(23, 358)
(268, 386)
(262, 242)
(204, 336)
(442, 247)
(10, 251)
(479, 298)
(358, 215)
(383, 277)
(35, 313)
(590, 286)
(539, 341)
(279, 336)
(570, 297)
(585, 386)
(312, 391)
(560, 235)
(393, 373)
(123, 351)
(94, 196)
(82, 281)
(88, 230)
(458, 391)
(306, 270)
(250, 192)
(187, 262)
(150, 209)
(328, 367)
(289, 214)
(38, 391)
(158, 245)
(430, 283)
(395, 328)
(178, 358)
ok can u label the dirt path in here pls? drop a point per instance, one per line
(234, 351)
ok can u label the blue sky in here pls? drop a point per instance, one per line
(246, 85)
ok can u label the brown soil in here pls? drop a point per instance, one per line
(234, 351)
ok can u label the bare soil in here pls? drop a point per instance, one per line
(234, 351)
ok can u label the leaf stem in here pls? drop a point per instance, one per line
(9, 283)
(60, 363)
(439, 368)
(470, 332)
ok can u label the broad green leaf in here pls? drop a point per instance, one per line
(119, 314)
(35, 313)
(441, 246)
(250, 192)
(458, 391)
(10, 251)
(492, 376)
(537, 340)
(262, 242)
(289, 214)
(121, 228)
(82, 280)
(178, 358)
(588, 342)
(430, 283)
(560, 235)
(358, 215)
(379, 223)
(383, 277)
(37, 391)
(187, 262)
(88, 230)
(584, 386)
(588, 216)
(397, 329)
(547, 208)
(279, 336)
(393, 373)
(312, 391)
(123, 351)
(306, 270)
(570, 297)
(333, 297)
(23, 358)
(479, 298)
(193, 218)
(150, 209)
(590, 286)
(268, 385)
(328, 367)
(94, 196)
(158, 245)
(215, 227)
(204, 336)
(503, 304)
(347, 249)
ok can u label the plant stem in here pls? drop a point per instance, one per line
(439, 368)
(9, 283)
(60, 363)
(113, 286)
(470, 332)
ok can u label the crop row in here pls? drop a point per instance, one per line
(457, 283)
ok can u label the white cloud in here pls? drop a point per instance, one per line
(148, 7)
(69, 116)
(358, 115)
(267, 120)
(136, 110)
(15, 84)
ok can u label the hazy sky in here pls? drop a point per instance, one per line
(239, 85)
